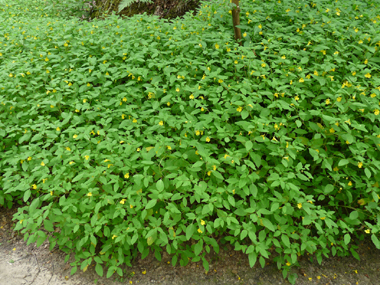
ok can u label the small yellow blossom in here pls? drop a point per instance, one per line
(200, 231)
(75, 136)
(301, 80)
(42, 163)
(203, 222)
(368, 75)
(161, 123)
(368, 231)
(376, 112)
(126, 175)
(360, 164)
(89, 194)
(122, 201)
(299, 205)
(86, 157)
(350, 183)
(328, 101)
(339, 99)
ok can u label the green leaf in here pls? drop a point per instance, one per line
(367, 172)
(347, 238)
(285, 240)
(151, 204)
(252, 257)
(198, 247)
(231, 200)
(355, 254)
(48, 225)
(375, 241)
(190, 231)
(159, 186)
(248, 145)
(111, 271)
(27, 195)
(205, 264)
(343, 162)
(328, 189)
(99, 269)
(268, 224)
(73, 270)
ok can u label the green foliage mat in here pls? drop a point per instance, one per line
(129, 136)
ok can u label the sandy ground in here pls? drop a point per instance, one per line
(26, 264)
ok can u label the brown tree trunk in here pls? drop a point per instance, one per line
(236, 21)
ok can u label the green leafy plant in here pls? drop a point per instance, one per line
(126, 3)
(124, 137)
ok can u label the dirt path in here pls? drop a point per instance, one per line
(25, 264)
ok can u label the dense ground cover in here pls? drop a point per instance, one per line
(128, 136)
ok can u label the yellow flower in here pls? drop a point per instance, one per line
(86, 157)
(216, 46)
(75, 136)
(239, 109)
(144, 272)
(350, 183)
(339, 99)
(360, 164)
(323, 218)
(299, 205)
(197, 133)
(67, 148)
(288, 263)
(332, 130)
(191, 96)
(131, 206)
(34, 186)
(161, 123)
(296, 98)
(366, 61)
(113, 237)
(263, 64)
(328, 101)
(51, 106)
(126, 175)
(42, 163)
(58, 129)
(89, 194)
(121, 142)
(376, 112)
(71, 162)
(373, 95)
(301, 80)
(368, 231)
(177, 90)
(169, 147)
(138, 149)
(315, 73)
(245, 34)
(260, 26)
(368, 75)
(199, 231)
(354, 73)
(134, 120)
(283, 57)
(207, 139)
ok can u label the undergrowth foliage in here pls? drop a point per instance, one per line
(123, 137)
